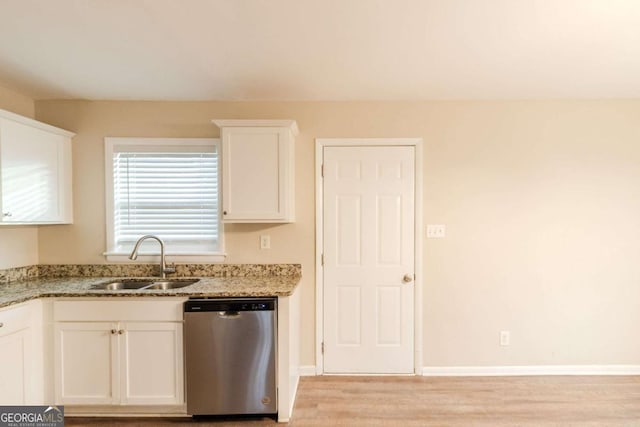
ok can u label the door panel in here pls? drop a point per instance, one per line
(389, 213)
(14, 367)
(368, 217)
(348, 230)
(348, 302)
(84, 354)
(152, 365)
(389, 308)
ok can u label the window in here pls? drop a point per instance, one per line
(165, 187)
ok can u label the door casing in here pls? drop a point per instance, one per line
(418, 283)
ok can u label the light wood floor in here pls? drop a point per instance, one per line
(452, 401)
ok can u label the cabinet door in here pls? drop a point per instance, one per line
(34, 174)
(257, 174)
(86, 362)
(151, 363)
(14, 367)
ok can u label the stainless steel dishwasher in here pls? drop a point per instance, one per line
(230, 355)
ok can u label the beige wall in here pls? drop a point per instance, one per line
(541, 200)
(18, 244)
(16, 102)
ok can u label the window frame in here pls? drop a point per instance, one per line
(111, 254)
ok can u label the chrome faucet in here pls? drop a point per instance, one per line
(163, 265)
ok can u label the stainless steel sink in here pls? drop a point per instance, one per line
(144, 284)
(171, 284)
(123, 284)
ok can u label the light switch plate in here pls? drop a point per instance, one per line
(435, 231)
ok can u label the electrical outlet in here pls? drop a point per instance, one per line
(265, 241)
(436, 231)
(505, 338)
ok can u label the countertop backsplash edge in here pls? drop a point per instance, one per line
(146, 270)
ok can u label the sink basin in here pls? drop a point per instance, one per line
(122, 284)
(144, 284)
(170, 284)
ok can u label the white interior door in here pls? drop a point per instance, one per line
(368, 235)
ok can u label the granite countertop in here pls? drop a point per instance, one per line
(259, 286)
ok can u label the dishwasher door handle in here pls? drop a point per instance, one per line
(231, 314)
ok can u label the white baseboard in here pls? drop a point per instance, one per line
(497, 371)
(488, 371)
(307, 370)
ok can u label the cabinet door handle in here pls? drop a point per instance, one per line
(121, 331)
(7, 214)
(113, 332)
(1, 324)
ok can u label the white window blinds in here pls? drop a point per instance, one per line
(171, 194)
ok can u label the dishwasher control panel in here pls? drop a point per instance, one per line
(235, 304)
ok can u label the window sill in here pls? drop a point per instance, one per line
(198, 258)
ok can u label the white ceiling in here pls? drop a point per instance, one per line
(320, 49)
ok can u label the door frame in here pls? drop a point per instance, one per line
(321, 143)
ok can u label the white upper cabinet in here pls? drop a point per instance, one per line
(35, 172)
(258, 170)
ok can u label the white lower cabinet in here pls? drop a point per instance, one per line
(15, 349)
(151, 366)
(86, 363)
(136, 358)
(19, 356)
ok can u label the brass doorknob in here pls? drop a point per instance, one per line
(408, 278)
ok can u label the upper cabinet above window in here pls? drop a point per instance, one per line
(258, 170)
(35, 172)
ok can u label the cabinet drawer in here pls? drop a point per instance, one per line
(112, 309)
(14, 319)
